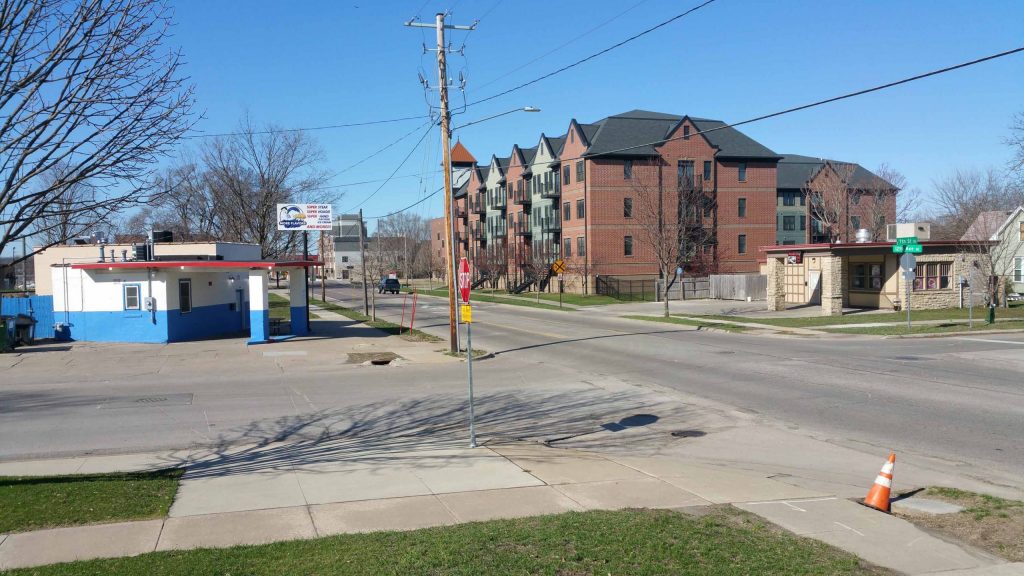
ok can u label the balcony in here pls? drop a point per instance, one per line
(522, 226)
(553, 190)
(523, 197)
(477, 205)
(460, 211)
(478, 232)
(552, 224)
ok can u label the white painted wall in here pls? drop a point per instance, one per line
(208, 288)
(101, 290)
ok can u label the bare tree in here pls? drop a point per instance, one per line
(1016, 143)
(828, 193)
(90, 99)
(404, 233)
(675, 222)
(252, 171)
(884, 200)
(187, 205)
(990, 261)
(964, 194)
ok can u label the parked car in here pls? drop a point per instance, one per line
(1014, 297)
(391, 285)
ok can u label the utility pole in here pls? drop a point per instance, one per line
(362, 260)
(449, 221)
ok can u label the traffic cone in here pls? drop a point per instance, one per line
(878, 496)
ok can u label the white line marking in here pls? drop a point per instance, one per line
(992, 341)
(797, 508)
(858, 532)
(788, 501)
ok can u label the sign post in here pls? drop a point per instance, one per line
(303, 218)
(467, 319)
(908, 263)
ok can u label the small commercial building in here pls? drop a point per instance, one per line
(866, 275)
(173, 297)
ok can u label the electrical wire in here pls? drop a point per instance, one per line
(397, 168)
(410, 206)
(594, 55)
(410, 133)
(310, 128)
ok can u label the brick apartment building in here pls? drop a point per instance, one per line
(581, 196)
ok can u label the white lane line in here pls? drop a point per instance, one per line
(787, 502)
(858, 532)
(992, 340)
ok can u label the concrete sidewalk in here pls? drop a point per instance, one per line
(276, 491)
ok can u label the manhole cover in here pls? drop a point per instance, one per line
(375, 358)
(153, 400)
(688, 433)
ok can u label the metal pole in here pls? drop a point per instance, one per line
(469, 367)
(970, 307)
(305, 257)
(909, 284)
(362, 260)
(442, 76)
(24, 264)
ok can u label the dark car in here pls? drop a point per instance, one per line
(389, 285)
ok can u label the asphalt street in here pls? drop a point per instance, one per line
(958, 400)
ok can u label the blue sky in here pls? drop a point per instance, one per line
(300, 64)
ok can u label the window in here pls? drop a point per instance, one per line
(627, 207)
(627, 170)
(581, 210)
(627, 246)
(707, 169)
(132, 300)
(741, 244)
(741, 207)
(788, 199)
(344, 258)
(684, 173)
(1018, 269)
(743, 171)
(185, 296)
(1022, 231)
(789, 223)
(567, 248)
(344, 275)
(565, 175)
(566, 211)
(855, 198)
(932, 276)
(581, 246)
(572, 136)
(581, 170)
(438, 235)
(855, 222)
(803, 199)
(803, 222)
(686, 132)
(866, 276)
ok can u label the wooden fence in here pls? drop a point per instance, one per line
(687, 288)
(739, 286)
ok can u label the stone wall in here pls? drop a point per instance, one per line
(833, 285)
(776, 284)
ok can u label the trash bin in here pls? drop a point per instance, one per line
(62, 332)
(992, 313)
(24, 329)
(5, 336)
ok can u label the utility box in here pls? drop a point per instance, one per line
(921, 231)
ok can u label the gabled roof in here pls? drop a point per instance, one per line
(460, 155)
(990, 225)
(795, 171)
(556, 144)
(731, 143)
(528, 155)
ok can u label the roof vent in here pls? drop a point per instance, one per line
(863, 236)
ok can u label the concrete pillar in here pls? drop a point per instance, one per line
(776, 284)
(297, 298)
(833, 279)
(259, 312)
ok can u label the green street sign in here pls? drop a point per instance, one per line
(906, 241)
(897, 249)
(914, 249)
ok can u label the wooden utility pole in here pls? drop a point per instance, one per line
(449, 220)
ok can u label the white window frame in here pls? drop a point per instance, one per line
(138, 297)
(1018, 269)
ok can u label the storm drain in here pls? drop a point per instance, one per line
(373, 358)
(151, 401)
(688, 433)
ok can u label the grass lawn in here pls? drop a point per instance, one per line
(35, 502)
(990, 523)
(688, 322)
(280, 307)
(1016, 311)
(382, 325)
(979, 326)
(638, 542)
(480, 297)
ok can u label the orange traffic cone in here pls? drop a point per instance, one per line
(878, 496)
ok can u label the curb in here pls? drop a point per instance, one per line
(948, 334)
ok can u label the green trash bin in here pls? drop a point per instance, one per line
(5, 337)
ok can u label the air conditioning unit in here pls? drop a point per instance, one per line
(919, 230)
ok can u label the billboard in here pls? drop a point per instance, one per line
(304, 216)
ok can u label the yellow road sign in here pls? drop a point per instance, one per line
(466, 313)
(558, 267)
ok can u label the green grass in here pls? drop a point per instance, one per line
(1016, 311)
(638, 542)
(478, 297)
(280, 307)
(979, 326)
(687, 322)
(980, 506)
(32, 503)
(382, 325)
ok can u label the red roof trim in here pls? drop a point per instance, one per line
(854, 245)
(247, 264)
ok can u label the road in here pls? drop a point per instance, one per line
(957, 400)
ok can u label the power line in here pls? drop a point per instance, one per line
(410, 133)
(563, 45)
(596, 54)
(410, 206)
(397, 168)
(310, 128)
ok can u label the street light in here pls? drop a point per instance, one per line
(449, 203)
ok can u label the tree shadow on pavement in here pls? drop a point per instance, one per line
(420, 431)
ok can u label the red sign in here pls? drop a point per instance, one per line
(464, 279)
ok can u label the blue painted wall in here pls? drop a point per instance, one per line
(120, 326)
(38, 307)
(298, 320)
(259, 325)
(204, 322)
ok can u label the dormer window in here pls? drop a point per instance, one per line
(686, 132)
